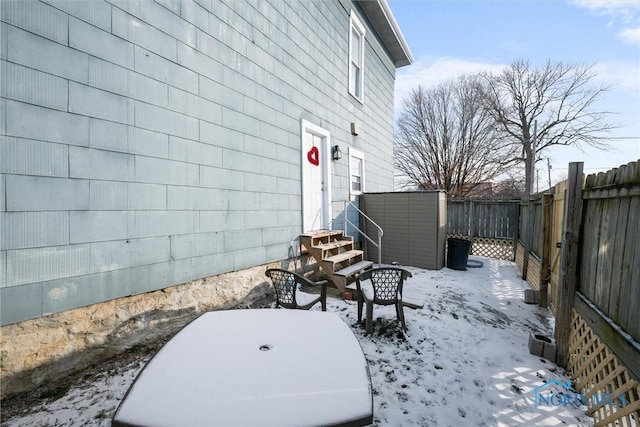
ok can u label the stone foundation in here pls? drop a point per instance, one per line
(43, 350)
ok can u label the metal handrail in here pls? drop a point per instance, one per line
(378, 245)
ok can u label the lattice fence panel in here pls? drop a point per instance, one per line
(490, 247)
(601, 378)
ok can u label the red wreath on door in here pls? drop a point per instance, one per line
(314, 156)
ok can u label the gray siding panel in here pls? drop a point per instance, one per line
(95, 12)
(56, 262)
(33, 87)
(107, 135)
(147, 224)
(108, 195)
(101, 44)
(221, 220)
(29, 157)
(30, 121)
(29, 193)
(3, 196)
(87, 101)
(97, 226)
(157, 276)
(33, 229)
(196, 199)
(194, 245)
(66, 294)
(20, 303)
(249, 258)
(148, 143)
(146, 196)
(182, 222)
(41, 54)
(165, 121)
(164, 19)
(3, 269)
(151, 65)
(159, 171)
(99, 164)
(38, 18)
(141, 34)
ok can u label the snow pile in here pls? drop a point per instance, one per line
(464, 361)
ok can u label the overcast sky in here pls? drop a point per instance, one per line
(452, 37)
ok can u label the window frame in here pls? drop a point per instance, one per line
(356, 154)
(356, 25)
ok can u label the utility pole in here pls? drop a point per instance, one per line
(532, 166)
(549, 170)
(528, 235)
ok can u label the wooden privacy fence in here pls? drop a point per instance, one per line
(610, 267)
(594, 283)
(540, 237)
(491, 225)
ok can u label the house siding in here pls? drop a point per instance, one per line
(142, 137)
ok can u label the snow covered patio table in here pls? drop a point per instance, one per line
(254, 367)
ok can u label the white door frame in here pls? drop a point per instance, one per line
(325, 164)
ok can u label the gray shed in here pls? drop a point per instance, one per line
(414, 226)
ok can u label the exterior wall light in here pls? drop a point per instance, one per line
(336, 153)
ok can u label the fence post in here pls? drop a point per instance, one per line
(516, 232)
(569, 262)
(469, 204)
(545, 268)
(528, 237)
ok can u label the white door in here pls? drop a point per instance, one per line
(316, 177)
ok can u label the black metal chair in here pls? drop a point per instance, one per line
(287, 285)
(381, 286)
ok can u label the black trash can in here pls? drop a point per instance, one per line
(458, 253)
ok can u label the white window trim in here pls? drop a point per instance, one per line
(357, 154)
(355, 23)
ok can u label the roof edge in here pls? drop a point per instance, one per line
(381, 17)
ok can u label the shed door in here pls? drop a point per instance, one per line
(316, 178)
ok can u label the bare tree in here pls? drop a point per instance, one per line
(446, 140)
(511, 186)
(559, 98)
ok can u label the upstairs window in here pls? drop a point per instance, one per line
(356, 56)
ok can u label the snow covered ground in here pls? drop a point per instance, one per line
(464, 361)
